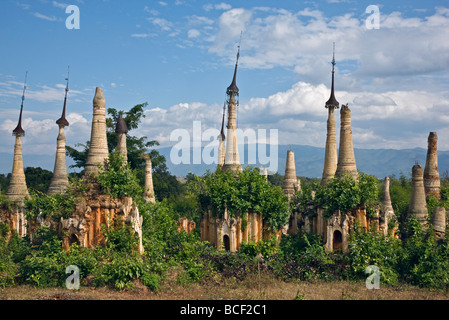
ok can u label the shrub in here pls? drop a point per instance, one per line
(121, 238)
(152, 281)
(117, 179)
(8, 268)
(373, 248)
(119, 270)
(42, 271)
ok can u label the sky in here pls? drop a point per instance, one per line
(179, 57)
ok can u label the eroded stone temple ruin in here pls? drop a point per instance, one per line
(427, 184)
(94, 210)
(98, 151)
(346, 159)
(121, 129)
(17, 190)
(291, 183)
(149, 195)
(431, 175)
(335, 230)
(225, 231)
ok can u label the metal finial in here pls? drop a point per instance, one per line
(63, 121)
(18, 131)
(333, 58)
(238, 51)
(67, 79)
(24, 87)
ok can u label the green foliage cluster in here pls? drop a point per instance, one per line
(117, 179)
(344, 193)
(373, 248)
(55, 205)
(247, 192)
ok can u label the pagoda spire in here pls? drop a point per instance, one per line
(232, 158)
(121, 129)
(60, 179)
(17, 189)
(98, 151)
(332, 102)
(18, 131)
(330, 157)
(63, 121)
(221, 140)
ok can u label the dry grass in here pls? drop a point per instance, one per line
(229, 289)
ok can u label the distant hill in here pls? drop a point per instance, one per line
(309, 161)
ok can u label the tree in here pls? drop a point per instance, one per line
(344, 193)
(4, 182)
(38, 179)
(249, 191)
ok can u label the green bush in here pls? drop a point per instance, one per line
(373, 248)
(8, 268)
(119, 270)
(121, 238)
(425, 261)
(117, 179)
(42, 271)
(222, 190)
(152, 281)
(19, 247)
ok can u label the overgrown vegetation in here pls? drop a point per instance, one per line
(40, 261)
(247, 192)
(420, 260)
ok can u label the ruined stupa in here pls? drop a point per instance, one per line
(232, 158)
(98, 148)
(418, 205)
(431, 175)
(438, 221)
(330, 156)
(291, 182)
(60, 180)
(386, 199)
(17, 189)
(346, 159)
(121, 129)
(149, 189)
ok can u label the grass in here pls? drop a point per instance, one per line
(267, 288)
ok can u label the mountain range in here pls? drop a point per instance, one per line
(309, 161)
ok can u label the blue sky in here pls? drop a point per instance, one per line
(179, 56)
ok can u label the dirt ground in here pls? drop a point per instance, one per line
(254, 288)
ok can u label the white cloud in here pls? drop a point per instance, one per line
(151, 11)
(59, 5)
(162, 23)
(303, 41)
(218, 6)
(193, 33)
(142, 35)
(42, 16)
(38, 93)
